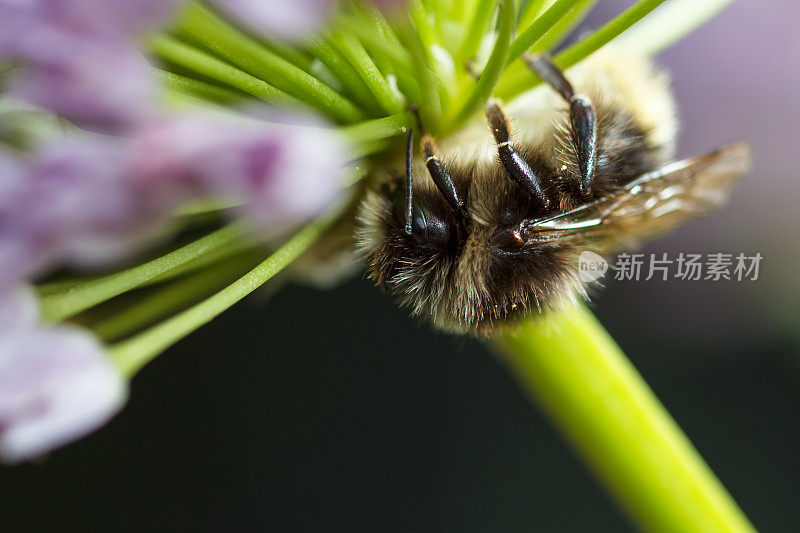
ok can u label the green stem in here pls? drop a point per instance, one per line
(494, 67)
(343, 70)
(477, 27)
(58, 305)
(201, 24)
(607, 32)
(582, 49)
(186, 56)
(430, 106)
(379, 128)
(517, 74)
(134, 353)
(538, 28)
(171, 299)
(358, 57)
(198, 88)
(532, 10)
(578, 375)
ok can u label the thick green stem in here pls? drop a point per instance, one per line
(581, 379)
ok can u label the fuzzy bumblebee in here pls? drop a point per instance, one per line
(491, 228)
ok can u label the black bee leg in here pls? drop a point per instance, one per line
(516, 167)
(440, 176)
(581, 114)
(409, 181)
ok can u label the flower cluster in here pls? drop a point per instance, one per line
(105, 186)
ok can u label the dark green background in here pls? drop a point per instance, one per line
(332, 411)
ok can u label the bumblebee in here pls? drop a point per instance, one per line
(490, 229)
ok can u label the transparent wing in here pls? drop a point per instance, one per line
(652, 203)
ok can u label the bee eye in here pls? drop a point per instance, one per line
(427, 228)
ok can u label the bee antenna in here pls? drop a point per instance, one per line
(415, 111)
(409, 181)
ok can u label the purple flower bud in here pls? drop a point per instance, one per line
(100, 86)
(284, 172)
(289, 19)
(79, 57)
(77, 201)
(56, 383)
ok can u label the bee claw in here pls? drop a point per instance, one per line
(581, 112)
(584, 128)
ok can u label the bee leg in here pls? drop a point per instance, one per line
(516, 167)
(440, 176)
(581, 114)
(409, 181)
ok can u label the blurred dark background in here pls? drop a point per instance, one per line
(332, 411)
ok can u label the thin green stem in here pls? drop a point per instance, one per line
(198, 88)
(134, 353)
(379, 128)
(517, 74)
(581, 379)
(584, 48)
(532, 10)
(287, 52)
(170, 299)
(351, 47)
(58, 305)
(343, 70)
(390, 58)
(430, 107)
(204, 26)
(561, 30)
(607, 32)
(186, 56)
(477, 27)
(494, 67)
(535, 31)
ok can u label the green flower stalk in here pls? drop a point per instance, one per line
(573, 369)
(371, 73)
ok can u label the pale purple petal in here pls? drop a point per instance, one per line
(283, 172)
(298, 179)
(289, 19)
(56, 386)
(85, 193)
(24, 20)
(22, 251)
(126, 17)
(79, 57)
(18, 309)
(99, 86)
(79, 201)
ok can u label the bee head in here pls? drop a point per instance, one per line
(408, 263)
